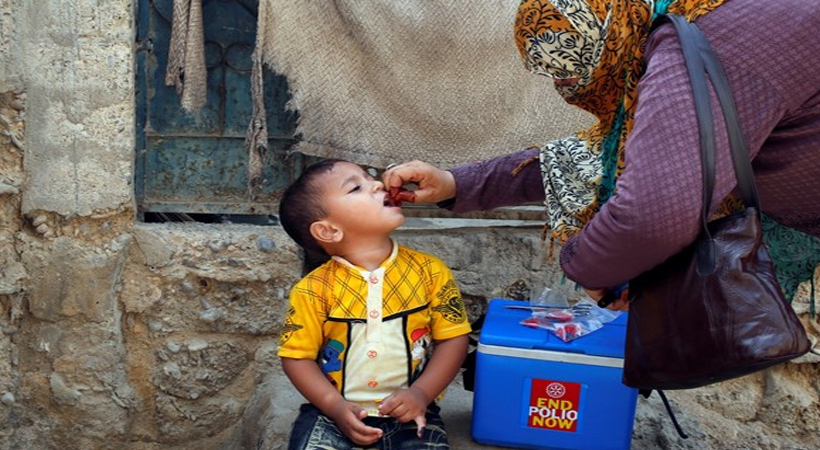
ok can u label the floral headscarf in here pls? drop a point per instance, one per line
(600, 45)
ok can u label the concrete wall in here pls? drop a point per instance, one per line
(123, 335)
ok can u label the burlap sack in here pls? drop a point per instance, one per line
(383, 81)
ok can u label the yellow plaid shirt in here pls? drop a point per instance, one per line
(371, 332)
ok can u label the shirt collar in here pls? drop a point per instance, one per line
(389, 260)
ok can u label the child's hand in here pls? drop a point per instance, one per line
(406, 405)
(348, 417)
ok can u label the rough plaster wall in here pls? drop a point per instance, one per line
(9, 77)
(78, 72)
(12, 271)
(202, 307)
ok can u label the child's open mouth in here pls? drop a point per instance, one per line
(396, 196)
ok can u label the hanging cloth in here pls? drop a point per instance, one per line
(387, 81)
(186, 55)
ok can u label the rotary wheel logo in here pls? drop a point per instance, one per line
(556, 390)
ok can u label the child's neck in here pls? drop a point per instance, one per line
(368, 256)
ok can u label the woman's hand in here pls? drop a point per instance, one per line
(433, 184)
(619, 304)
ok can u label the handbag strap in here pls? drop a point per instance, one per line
(700, 60)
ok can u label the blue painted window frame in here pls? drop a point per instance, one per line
(196, 163)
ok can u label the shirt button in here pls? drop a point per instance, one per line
(374, 313)
(372, 353)
(372, 383)
(374, 279)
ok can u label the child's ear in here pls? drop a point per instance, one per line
(325, 232)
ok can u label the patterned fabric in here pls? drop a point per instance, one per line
(372, 332)
(313, 430)
(599, 43)
(795, 256)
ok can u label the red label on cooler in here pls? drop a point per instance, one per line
(554, 405)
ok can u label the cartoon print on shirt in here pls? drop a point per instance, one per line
(421, 343)
(329, 356)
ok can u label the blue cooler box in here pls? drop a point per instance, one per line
(533, 390)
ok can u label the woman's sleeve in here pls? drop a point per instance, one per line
(656, 210)
(508, 180)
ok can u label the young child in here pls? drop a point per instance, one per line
(372, 337)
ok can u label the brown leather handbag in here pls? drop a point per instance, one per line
(714, 311)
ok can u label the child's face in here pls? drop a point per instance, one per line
(357, 203)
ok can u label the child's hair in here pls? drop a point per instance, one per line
(301, 205)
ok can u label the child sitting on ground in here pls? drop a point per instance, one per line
(372, 337)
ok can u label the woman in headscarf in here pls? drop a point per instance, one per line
(624, 195)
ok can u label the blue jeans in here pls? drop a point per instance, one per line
(315, 431)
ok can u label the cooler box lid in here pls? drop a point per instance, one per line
(502, 327)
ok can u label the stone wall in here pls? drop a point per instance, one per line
(123, 335)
